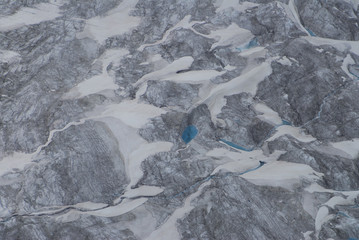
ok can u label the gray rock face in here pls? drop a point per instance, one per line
(228, 204)
(169, 94)
(331, 19)
(201, 119)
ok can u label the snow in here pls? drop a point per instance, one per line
(293, 131)
(354, 3)
(282, 174)
(52, 132)
(29, 16)
(70, 216)
(255, 52)
(232, 35)
(89, 205)
(168, 230)
(338, 200)
(194, 77)
(322, 217)
(229, 67)
(225, 4)
(100, 82)
(350, 147)
(129, 112)
(292, 13)
(306, 235)
(9, 56)
(323, 213)
(346, 62)
(120, 209)
(285, 61)
(168, 70)
(116, 22)
(140, 154)
(143, 191)
(267, 114)
(241, 162)
(21, 160)
(134, 149)
(184, 23)
(246, 82)
(16, 161)
(341, 45)
(317, 188)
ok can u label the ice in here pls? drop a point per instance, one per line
(346, 62)
(244, 83)
(168, 230)
(282, 174)
(129, 112)
(100, 82)
(292, 131)
(143, 191)
(9, 56)
(322, 217)
(189, 133)
(225, 4)
(341, 45)
(351, 147)
(117, 210)
(241, 162)
(184, 23)
(29, 16)
(285, 61)
(232, 35)
(169, 70)
(17, 161)
(140, 154)
(194, 77)
(89, 205)
(292, 13)
(117, 21)
(267, 114)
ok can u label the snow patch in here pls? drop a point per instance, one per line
(244, 83)
(225, 4)
(350, 147)
(131, 113)
(282, 174)
(15, 162)
(267, 114)
(9, 56)
(29, 16)
(120, 209)
(100, 82)
(292, 131)
(117, 22)
(169, 230)
(232, 35)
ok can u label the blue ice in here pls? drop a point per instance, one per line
(189, 133)
(236, 146)
(252, 43)
(285, 122)
(355, 73)
(311, 33)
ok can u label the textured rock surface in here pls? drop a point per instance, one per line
(96, 96)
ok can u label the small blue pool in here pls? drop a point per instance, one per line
(311, 33)
(236, 146)
(285, 122)
(252, 43)
(189, 133)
